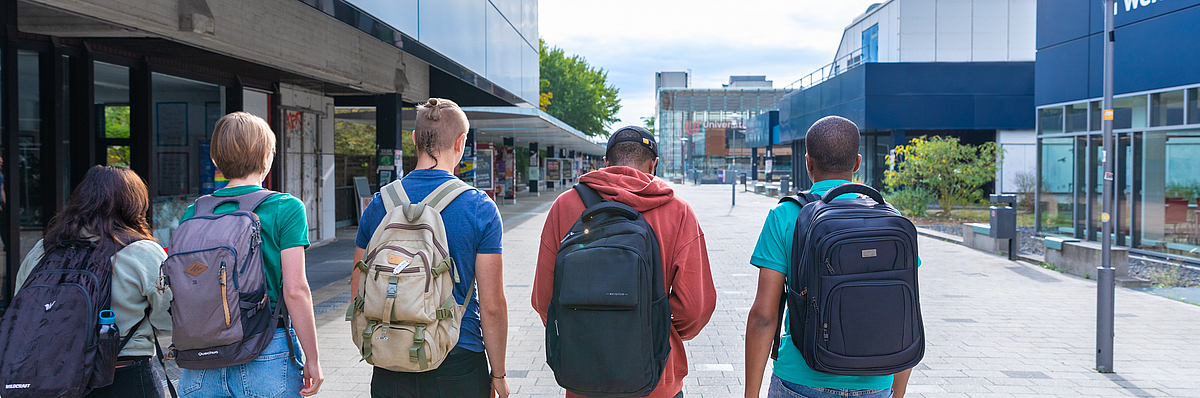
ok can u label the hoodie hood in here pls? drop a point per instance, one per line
(639, 190)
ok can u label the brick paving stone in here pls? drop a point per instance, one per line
(1025, 319)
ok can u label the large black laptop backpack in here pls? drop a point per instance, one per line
(852, 299)
(49, 341)
(608, 327)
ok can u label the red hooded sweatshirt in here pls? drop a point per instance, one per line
(686, 272)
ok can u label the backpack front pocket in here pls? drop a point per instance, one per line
(868, 318)
(211, 315)
(398, 287)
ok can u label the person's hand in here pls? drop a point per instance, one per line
(500, 388)
(312, 378)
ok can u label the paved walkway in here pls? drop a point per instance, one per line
(995, 328)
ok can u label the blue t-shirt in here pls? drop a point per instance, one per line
(773, 251)
(473, 226)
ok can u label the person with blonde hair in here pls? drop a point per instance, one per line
(475, 366)
(243, 149)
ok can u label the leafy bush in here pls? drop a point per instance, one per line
(912, 202)
(952, 171)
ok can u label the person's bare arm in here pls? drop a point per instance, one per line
(298, 298)
(900, 383)
(760, 327)
(493, 315)
(359, 253)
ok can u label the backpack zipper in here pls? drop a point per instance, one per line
(428, 267)
(224, 294)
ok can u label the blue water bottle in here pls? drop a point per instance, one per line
(108, 325)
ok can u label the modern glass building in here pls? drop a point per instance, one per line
(911, 68)
(703, 130)
(1156, 123)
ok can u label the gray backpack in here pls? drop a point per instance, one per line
(220, 310)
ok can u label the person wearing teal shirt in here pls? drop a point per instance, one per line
(831, 160)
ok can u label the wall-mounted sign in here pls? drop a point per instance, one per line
(695, 127)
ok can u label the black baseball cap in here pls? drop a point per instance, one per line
(644, 137)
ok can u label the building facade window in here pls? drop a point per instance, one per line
(1050, 120)
(184, 113)
(1129, 112)
(1157, 171)
(1166, 109)
(1193, 106)
(1077, 117)
(29, 164)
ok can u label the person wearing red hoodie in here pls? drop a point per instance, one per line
(632, 157)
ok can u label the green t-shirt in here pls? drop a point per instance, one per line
(773, 252)
(284, 225)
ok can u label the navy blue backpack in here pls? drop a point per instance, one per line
(852, 299)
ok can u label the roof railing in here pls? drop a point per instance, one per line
(837, 67)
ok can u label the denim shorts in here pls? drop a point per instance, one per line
(275, 373)
(784, 389)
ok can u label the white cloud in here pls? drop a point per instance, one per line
(632, 39)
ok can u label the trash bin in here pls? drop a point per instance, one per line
(743, 177)
(1003, 222)
(785, 183)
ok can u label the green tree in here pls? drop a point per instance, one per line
(575, 92)
(649, 122)
(953, 172)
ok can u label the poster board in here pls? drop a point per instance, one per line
(483, 170)
(553, 170)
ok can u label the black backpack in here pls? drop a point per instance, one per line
(608, 327)
(852, 298)
(49, 342)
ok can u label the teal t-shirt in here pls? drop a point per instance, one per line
(773, 252)
(284, 225)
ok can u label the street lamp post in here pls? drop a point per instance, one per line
(1106, 281)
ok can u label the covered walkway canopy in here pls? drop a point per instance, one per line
(494, 124)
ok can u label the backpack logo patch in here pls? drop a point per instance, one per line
(50, 305)
(16, 386)
(196, 269)
(869, 253)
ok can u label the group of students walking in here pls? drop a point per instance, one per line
(622, 281)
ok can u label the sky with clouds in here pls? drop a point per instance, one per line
(632, 39)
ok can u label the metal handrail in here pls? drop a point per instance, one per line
(852, 60)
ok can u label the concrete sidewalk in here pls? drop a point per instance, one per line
(995, 328)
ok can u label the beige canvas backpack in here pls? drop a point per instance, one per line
(405, 317)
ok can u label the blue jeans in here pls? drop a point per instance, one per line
(784, 389)
(275, 373)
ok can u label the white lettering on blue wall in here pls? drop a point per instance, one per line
(1131, 5)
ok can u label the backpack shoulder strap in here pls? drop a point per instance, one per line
(393, 195)
(802, 198)
(250, 201)
(445, 193)
(207, 204)
(589, 196)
